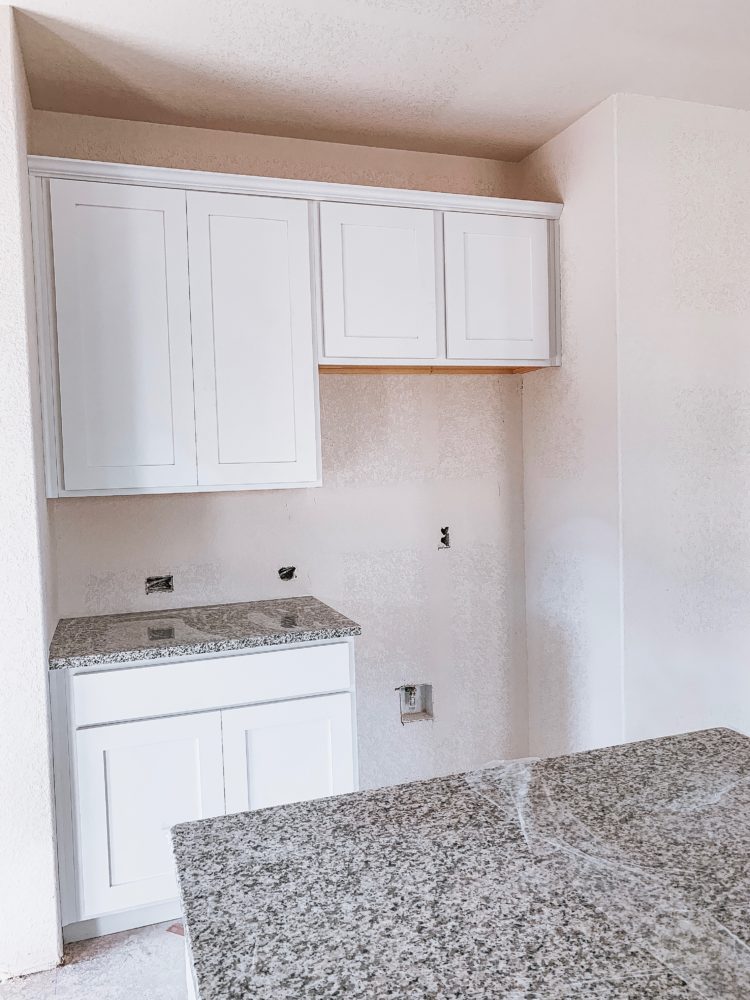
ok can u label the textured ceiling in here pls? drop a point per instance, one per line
(480, 77)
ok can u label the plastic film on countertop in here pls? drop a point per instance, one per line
(623, 869)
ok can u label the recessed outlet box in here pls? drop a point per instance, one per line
(156, 632)
(415, 703)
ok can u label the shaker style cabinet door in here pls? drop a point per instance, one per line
(288, 752)
(135, 780)
(123, 336)
(496, 287)
(379, 285)
(255, 375)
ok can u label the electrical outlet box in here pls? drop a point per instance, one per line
(415, 703)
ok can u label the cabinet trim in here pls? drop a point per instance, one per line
(44, 295)
(431, 369)
(200, 180)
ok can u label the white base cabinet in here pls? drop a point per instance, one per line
(134, 781)
(287, 752)
(124, 776)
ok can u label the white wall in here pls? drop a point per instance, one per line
(684, 324)
(402, 456)
(571, 481)
(29, 935)
(637, 452)
(88, 138)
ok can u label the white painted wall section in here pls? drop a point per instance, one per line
(29, 933)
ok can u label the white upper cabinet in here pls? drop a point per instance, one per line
(253, 344)
(182, 315)
(379, 281)
(497, 295)
(123, 336)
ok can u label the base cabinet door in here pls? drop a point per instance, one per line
(288, 752)
(134, 781)
(497, 302)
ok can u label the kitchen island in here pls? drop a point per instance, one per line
(608, 875)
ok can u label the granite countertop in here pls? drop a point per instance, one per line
(609, 875)
(216, 628)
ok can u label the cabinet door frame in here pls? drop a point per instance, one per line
(69, 457)
(428, 344)
(89, 801)
(297, 215)
(237, 721)
(459, 346)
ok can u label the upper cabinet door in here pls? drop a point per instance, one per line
(123, 336)
(379, 288)
(496, 287)
(255, 375)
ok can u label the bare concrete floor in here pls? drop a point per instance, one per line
(145, 964)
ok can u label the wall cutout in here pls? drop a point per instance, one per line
(287, 572)
(415, 702)
(160, 584)
(160, 632)
(445, 538)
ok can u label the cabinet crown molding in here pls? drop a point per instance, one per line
(198, 180)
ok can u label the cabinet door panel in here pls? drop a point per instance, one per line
(123, 333)
(288, 752)
(496, 287)
(379, 289)
(255, 377)
(134, 781)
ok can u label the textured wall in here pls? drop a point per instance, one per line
(88, 138)
(571, 458)
(684, 317)
(644, 432)
(402, 456)
(29, 937)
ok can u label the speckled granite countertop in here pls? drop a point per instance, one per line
(217, 628)
(610, 875)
